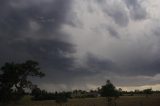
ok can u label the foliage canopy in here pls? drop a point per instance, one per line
(14, 79)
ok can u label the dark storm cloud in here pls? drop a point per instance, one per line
(96, 64)
(137, 12)
(113, 32)
(31, 29)
(19, 41)
(119, 15)
(148, 68)
(141, 59)
(14, 21)
(116, 11)
(92, 66)
(51, 53)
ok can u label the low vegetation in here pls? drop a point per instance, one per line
(14, 81)
(100, 101)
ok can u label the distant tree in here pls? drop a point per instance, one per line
(147, 92)
(120, 91)
(62, 98)
(14, 79)
(36, 93)
(108, 90)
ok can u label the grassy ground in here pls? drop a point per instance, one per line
(122, 101)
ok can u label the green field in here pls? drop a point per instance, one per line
(122, 101)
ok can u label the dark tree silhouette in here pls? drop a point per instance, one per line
(147, 92)
(108, 90)
(14, 79)
(36, 93)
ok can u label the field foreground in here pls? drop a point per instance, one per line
(122, 101)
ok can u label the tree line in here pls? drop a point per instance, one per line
(14, 82)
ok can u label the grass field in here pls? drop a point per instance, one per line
(122, 101)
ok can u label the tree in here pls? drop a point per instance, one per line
(108, 90)
(61, 98)
(14, 79)
(147, 92)
(36, 93)
(120, 91)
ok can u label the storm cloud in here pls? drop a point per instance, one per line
(115, 10)
(81, 43)
(136, 10)
(32, 32)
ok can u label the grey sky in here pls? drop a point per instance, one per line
(82, 43)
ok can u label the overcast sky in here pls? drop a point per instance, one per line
(82, 43)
